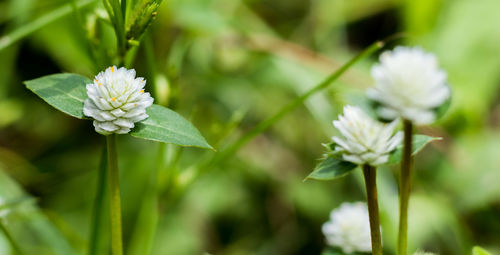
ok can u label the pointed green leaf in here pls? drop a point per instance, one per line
(64, 91)
(479, 251)
(165, 125)
(419, 142)
(331, 168)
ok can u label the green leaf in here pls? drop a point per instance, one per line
(419, 142)
(479, 251)
(64, 91)
(331, 168)
(165, 125)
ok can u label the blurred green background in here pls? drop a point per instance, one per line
(227, 65)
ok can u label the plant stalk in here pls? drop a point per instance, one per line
(370, 175)
(404, 188)
(114, 197)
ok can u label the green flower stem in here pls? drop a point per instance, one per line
(370, 174)
(114, 197)
(13, 243)
(98, 211)
(404, 188)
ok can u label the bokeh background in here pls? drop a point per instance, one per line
(227, 65)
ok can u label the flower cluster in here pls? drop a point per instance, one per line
(366, 141)
(116, 100)
(349, 228)
(409, 84)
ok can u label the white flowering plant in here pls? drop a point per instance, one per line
(363, 140)
(117, 102)
(409, 84)
(348, 229)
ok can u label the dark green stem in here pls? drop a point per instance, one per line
(13, 243)
(404, 188)
(370, 174)
(114, 197)
(97, 214)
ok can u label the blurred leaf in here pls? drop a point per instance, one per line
(10, 111)
(44, 20)
(26, 219)
(419, 142)
(66, 92)
(165, 125)
(331, 168)
(479, 251)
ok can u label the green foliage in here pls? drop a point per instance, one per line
(165, 125)
(67, 92)
(141, 19)
(26, 30)
(334, 167)
(419, 142)
(226, 56)
(331, 168)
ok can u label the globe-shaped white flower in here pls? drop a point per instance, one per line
(409, 84)
(116, 100)
(366, 141)
(349, 228)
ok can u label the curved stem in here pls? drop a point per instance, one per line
(114, 197)
(264, 125)
(371, 196)
(404, 188)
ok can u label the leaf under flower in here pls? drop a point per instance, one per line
(66, 92)
(334, 167)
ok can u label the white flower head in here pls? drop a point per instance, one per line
(116, 100)
(349, 228)
(409, 84)
(366, 141)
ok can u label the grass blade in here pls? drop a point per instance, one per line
(18, 34)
